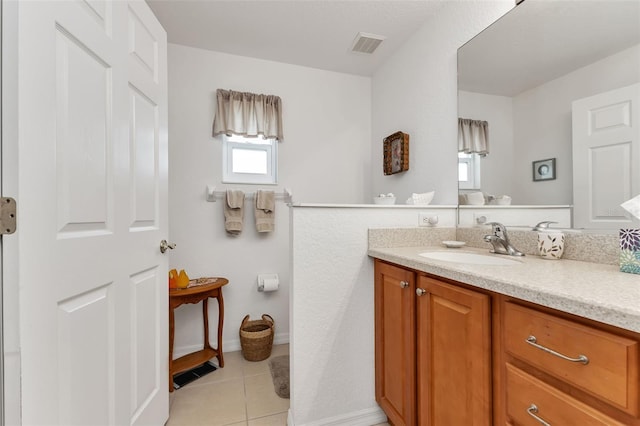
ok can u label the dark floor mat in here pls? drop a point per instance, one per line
(179, 380)
(280, 374)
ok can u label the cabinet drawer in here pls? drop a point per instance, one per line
(528, 397)
(611, 372)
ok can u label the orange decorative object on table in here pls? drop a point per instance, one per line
(173, 278)
(183, 279)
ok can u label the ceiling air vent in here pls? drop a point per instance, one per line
(366, 43)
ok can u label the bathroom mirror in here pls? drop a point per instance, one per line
(522, 74)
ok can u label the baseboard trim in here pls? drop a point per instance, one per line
(368, 417)
(227, 345)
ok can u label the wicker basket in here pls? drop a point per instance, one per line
(256, 337)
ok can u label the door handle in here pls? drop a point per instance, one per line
(164, 246)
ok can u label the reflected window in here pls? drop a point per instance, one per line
(468, 171)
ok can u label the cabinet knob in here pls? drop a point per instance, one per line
(420, 291)
(404, 284)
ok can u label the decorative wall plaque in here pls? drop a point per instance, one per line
(396, 153)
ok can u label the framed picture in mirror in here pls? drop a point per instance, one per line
(544, 169)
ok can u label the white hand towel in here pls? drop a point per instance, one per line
(265, 211)
(234, 211)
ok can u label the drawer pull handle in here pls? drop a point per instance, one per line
(533, 342)
(404, 284)
(533, 411)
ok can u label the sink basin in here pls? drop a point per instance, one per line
(466, 257)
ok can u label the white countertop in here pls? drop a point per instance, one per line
(591, 290)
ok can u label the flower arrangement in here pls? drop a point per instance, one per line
(630, 250)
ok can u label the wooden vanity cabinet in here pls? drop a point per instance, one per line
(447, 354)
(433, 343)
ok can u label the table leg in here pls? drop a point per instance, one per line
(171, 333)
(220, 324)
(205, 316)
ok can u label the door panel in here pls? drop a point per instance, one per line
(101, 11)
(145, 340)
(144, 173)
(606, 154)
(85, 344)
(83, 138)
(143, 46)
(610, 169)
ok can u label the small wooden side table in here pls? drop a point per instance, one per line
(196, 294)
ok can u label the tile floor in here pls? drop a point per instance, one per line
(240, 394)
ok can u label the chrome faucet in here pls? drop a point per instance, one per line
(500, 240)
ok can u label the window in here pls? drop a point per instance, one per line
(468, 171)
(249, 160)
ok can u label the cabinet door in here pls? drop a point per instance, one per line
(454, 355)
(395, 343)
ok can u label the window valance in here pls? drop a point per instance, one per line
(248, 114)
(473, 136)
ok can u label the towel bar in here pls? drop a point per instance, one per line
(213, 195)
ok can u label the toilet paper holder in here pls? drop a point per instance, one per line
(269, 279)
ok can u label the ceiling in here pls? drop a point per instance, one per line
(319, 34)
(310, 33)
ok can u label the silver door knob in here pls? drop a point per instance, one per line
(164, 246)
(404, 284)
(420, 291)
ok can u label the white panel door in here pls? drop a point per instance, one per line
(92, 195)
(606, 158)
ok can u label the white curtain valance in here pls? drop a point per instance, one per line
(248, 114)
(473, 136)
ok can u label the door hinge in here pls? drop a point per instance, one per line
(7, 215)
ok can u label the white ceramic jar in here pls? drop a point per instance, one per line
(550, 245)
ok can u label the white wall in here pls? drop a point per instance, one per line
(324, 158)
(498, 111)
(416, 91)
(549, 134)
(332, 317)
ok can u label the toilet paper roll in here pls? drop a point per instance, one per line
(268, 282)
